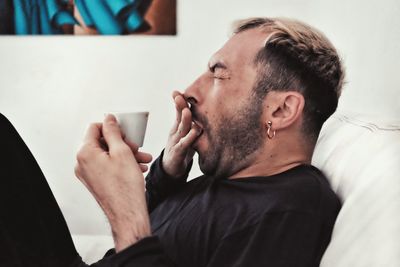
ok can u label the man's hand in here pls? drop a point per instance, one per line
(178, 153)
(112, 171)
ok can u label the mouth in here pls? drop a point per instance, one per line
(199, 128)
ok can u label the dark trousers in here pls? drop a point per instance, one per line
(33, 231)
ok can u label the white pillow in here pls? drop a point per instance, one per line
(361, 158)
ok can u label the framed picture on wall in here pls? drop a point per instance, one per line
(87, 17)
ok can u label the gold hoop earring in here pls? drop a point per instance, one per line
(269, 125)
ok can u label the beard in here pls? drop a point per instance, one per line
(232, 140)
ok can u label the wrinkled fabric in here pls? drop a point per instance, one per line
(281, 220)
(111, 16)
(48, 16)
(41, 16)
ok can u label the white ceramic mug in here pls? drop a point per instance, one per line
(133, 125)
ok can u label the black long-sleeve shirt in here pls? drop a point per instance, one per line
(280, 220)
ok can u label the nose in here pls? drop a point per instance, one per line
(194, 94)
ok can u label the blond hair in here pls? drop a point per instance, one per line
(298, 57)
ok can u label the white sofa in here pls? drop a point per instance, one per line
(92, 247)
(360, 155)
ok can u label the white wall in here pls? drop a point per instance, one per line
(51, 88)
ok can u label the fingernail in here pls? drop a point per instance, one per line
(110, 117)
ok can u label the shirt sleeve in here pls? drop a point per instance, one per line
(283, 239)
(145, 253)
(159, 185)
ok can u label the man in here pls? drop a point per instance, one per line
(253, 118)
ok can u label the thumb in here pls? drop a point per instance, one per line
(112, 133)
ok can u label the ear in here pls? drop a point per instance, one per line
(283, 108)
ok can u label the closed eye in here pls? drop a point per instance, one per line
(219, 71)
(217, 66)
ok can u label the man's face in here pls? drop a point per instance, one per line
(224, 106)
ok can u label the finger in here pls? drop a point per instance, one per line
(103, 144)
(190, 153)
(133, 146)
(112, 133)
(143, 157)
(186, 122)
(143, 167)
(93, 134)
(185, 143)
(180, 104)
(175, 94)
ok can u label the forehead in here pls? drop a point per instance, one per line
(240, 49)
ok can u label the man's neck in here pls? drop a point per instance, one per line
(267, 164)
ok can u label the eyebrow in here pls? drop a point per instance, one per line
(217, 65)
